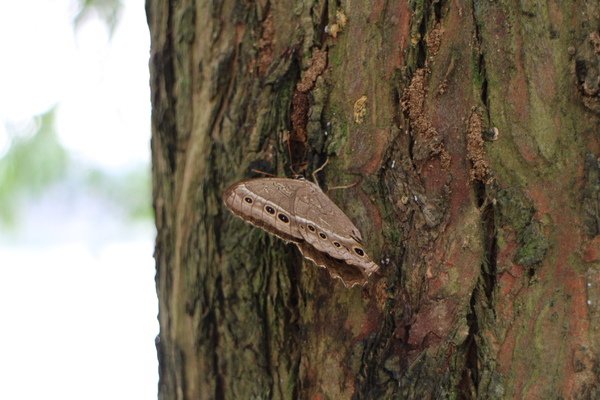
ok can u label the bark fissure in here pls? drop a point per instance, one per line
(591, 196)
(481, 303)
(470, 377)
(298, 140)
(267, 338)
(480, 66)
(222, 86)
(219, 390)
(490, 245)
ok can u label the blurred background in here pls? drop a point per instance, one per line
(77, 297)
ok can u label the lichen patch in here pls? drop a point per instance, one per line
(360, 109)
(338, 26)
(587, 72)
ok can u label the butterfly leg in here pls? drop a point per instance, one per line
(344, 186)
(316, 171)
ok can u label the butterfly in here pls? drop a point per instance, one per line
(298, 211)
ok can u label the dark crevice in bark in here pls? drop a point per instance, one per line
(480, 193)
(378, 374)
(470, 376)
(484, 86)
(489, 271)
(298, 112)
(417, 53)
(411, 144)
(490, 245)
(222, 86)
(421, 54)
(323, 22)
(368, 381)
(483, 76)
(530, 273)
(591, 195)
(396, 98)
(480, 67)
(179, 381)
(212, 321)
(163, 75)
(482, 297)
(436, 6)
(292, 319)
(215, 180)
(405, 128)
(402, 116)
(371, 381)
(162, 365)
(266, 338)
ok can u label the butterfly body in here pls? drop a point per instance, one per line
(298, 211)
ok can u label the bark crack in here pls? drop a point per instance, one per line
(299, 115)
(481, 304)
(480, 66)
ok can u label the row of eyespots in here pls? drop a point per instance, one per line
(311, 228)
(284, 218)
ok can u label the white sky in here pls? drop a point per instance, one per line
(100, 85)
(78, 303)
(78, 325)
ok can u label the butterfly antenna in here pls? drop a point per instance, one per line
(257, 171)
(316, 171)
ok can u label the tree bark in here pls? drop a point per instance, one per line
(471, 129)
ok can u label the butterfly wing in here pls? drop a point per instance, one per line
(350, 275)
(298, 211)
(267, 203)
(326, 228)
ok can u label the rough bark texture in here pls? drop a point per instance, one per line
(472, 129)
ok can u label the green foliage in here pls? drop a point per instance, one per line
(31, 165)
(107, 10)
(36, 162)
(129, 191)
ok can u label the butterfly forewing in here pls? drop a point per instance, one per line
(267, 203)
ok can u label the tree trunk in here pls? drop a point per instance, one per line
(471, 129)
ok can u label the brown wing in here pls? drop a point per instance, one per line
(267, 203)
(349, 274)
(298, 211)
(325, 227)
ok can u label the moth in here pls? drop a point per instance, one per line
(297, 211)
